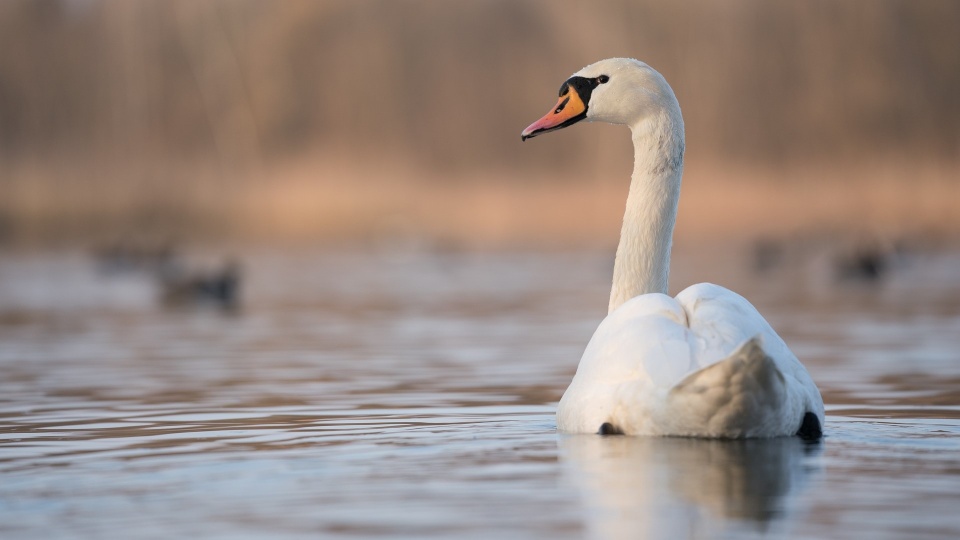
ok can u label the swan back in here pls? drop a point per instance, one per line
(705, 364)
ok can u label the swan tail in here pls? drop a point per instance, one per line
(740, 396)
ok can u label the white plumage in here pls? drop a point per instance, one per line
(703, 364)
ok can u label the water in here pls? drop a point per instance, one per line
(412, 396)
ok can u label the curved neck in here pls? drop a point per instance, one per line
(643, 256)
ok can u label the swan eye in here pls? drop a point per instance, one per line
(603, 79)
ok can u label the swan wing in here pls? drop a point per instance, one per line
(744, 395)
(705, 363)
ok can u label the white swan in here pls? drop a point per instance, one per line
(703, 364)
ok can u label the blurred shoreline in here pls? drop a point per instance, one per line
(328, 204)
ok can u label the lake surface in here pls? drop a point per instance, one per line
(412, 395)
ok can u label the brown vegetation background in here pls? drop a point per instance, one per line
(398, 120)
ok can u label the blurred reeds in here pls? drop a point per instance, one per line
(398, 121)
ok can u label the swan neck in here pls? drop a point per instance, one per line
(642, 262)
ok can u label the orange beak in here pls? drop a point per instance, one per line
(569, 110)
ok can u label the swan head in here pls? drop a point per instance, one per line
(616, 91)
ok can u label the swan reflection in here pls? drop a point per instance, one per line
(647, 487)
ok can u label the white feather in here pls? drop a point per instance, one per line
(703, 364)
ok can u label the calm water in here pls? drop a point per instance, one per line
(374, 395)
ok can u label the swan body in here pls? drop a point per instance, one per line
(703, 364)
